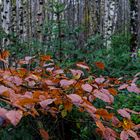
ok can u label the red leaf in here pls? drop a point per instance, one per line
(100, 125)
(112, 91)
(133, 88)
(15, 79)
(3, 89)
(14, 116)
(123, 86)
(65, 82)
(124, 113)
(83, 65)
(132, 134)
(46, 102)
(5, 54)
(104, 114)
(131, 111)
(50, 83)
(105, 91)
(99, 80)
(100, 65)
(76, 73)
(124, 135)
(45, 58)
(44, 134)
(103, 96)
(136, 127)
(76, 99)
(115, 121)
(28, 59)
(109, 134)
(87, 87)
(3, 112)
(57, 72)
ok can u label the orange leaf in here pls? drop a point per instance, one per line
(127, 124)
(5, 54)
(44, 134)
(34, 112)
(68, 105)
(112, 91)
(22, 72)
(100, 125)
(103, 113)
(100, 65)
(45, 58)
(26, 101)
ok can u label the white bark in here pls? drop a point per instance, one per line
(6, 16)
(110, 20)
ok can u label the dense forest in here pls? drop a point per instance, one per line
(69, 69)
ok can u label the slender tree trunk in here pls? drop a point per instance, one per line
(134, 27)
(110, 19)
(5, 16)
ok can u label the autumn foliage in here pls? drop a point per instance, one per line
(47, 87)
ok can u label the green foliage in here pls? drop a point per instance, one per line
(63, 44)
(128, 100)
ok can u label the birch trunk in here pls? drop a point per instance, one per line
(6, 16)
(110, 19)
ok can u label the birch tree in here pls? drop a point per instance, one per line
(5, 19)
(110, 19)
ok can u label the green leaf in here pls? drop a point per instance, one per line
(63, 113)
